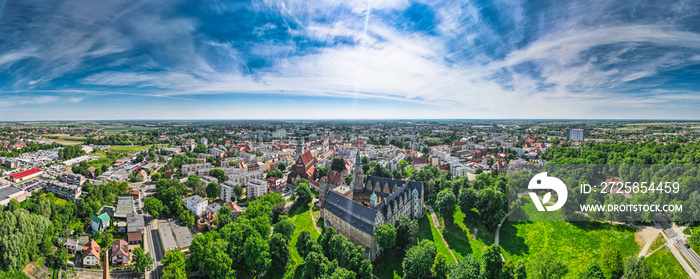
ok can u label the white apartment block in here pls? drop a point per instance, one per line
(256, 188)
(73, 178)
(63, 190)
(196, 204)
(226, 191)
(193, 168)
(244, 178)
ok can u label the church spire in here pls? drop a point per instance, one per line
(358, 174)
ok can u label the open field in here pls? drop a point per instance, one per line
(459, 235)
(301, 217)
(130, 149)
(66, 139)
(664, 265)
(388, 265)
(658, 242)
(574, 243)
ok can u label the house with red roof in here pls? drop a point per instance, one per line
(91, 254)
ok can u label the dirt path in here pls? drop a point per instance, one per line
(436, 224)
(313, 220)
(498, 230)
(646, 236)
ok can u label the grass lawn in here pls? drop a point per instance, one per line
(302, 220)
(388, 264)
(658, 242)
(459, 234)
(39, 261)
(574, 243)
(664, 265)
(130, 149)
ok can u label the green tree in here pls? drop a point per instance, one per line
(142, 260)
(276, 173)
(223, 217)
(303, 193)
(636, 268)
(445, 204)
(153, 206)
(187, 218)
(213, 190)
(279, 251)
(440, 269)
(304, 243)
(546, 266)
(612, 261)
(386, 236)
(218, 265)
(218, 174)
(282, 166)
(419, 259)
(256, 254)
(593, 271)
(491, 262)
(238, 190)
(365, 270)
(406, 229)
(467, 268)
(467, 199)
(695, 240)
(285, 227)
(338, 164)
(174, 265)
(60, 258)
(315, 266)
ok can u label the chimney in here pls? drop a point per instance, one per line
(105, 270)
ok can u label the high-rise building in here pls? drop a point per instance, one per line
(574, 134)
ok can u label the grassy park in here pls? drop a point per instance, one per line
(574, 243)
(664, 265)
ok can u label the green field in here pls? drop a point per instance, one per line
(388, 264)
(130, 149)
(301, 217)
(658, 242)
(664, 265)
(459, 235)
(574, 243)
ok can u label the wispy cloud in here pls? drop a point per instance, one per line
(468, 59)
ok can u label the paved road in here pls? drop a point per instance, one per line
(689, 254)
(153, 246)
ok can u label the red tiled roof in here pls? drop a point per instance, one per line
(134, 236)
(91, 248)
(334, 177)
(420, 160)
(306, 158)
(25, 173)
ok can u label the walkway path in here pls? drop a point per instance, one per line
(498, 230)
(436, 224)
(313, 220)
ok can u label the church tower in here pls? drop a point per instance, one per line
(300, 150)
(358, 174)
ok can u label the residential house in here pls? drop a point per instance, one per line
(91, 254)
(99, 222)
(196, 204)
(119, 253)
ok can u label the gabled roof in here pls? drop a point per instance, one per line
(119, 248)
(355, 214)
(102, 218)
(91, 248)
(306, 158)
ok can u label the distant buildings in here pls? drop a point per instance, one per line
(574, 134)
(256, 188)
(25, 175)
(193, 168)
(73, 178)
(196, 204)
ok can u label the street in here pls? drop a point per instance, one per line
(678, 241)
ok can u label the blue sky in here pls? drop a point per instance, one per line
(277, 59)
